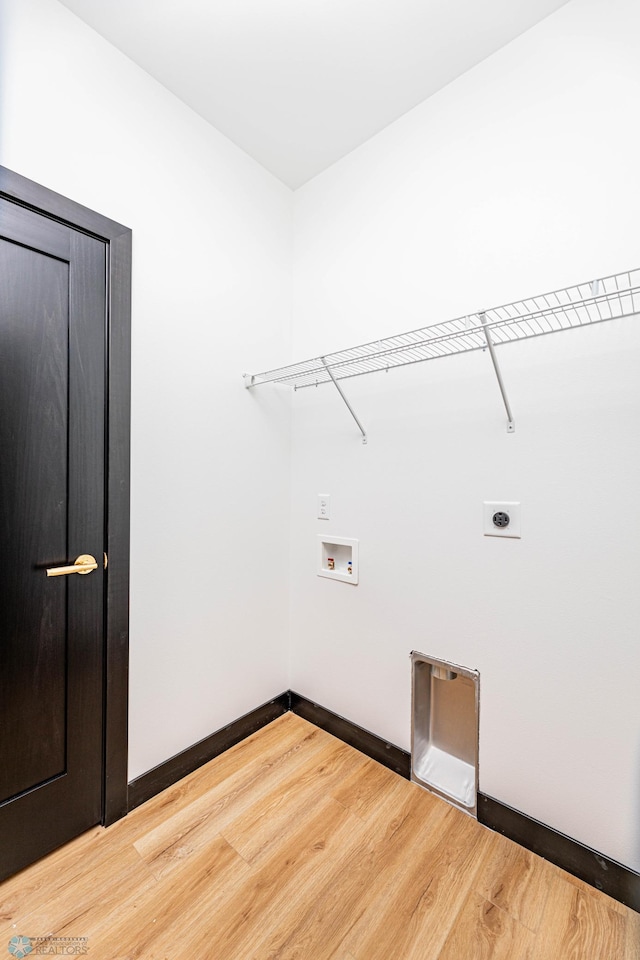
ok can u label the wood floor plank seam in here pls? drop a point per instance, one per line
(294, 846)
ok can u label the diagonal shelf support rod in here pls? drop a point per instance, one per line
(348, 405)
(496, 366)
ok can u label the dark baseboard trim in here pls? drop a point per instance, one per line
(617, 881)
(174, 769)
(368, 743)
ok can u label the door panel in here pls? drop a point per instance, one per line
(33, 487)
(52, 437)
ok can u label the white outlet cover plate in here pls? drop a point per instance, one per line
(324, 506)
(510, 507)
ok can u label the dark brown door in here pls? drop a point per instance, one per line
(52, 484)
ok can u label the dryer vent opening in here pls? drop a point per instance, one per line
(441, 673)
(444, 730)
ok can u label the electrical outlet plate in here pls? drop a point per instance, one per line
(507, 519)
(324, 506)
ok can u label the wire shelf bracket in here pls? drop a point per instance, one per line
(348, 405)
(496, 366)
(595, 301)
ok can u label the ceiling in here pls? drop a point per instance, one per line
(298, 84)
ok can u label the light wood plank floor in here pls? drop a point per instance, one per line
(294, 846)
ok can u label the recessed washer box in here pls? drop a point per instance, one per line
(338, 558)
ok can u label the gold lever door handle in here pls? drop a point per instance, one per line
(85, 563)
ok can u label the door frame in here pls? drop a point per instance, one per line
(117, 239)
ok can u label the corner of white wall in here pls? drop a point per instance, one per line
(211, 300)
(509, 182)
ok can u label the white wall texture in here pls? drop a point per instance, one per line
(211, 298)
(519, 177)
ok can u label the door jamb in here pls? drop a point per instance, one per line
(117, 239)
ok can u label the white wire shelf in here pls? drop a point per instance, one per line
(595, 301)
(565, 309)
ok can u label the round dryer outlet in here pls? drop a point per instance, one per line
(502, 519)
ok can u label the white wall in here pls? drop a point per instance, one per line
(520, 177)
(211, 299)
